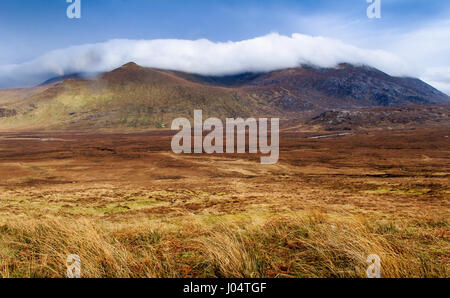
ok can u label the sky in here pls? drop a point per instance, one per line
(38, 40)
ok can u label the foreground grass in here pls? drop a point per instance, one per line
(303, 244)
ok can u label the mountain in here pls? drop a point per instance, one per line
(137, 97)
(345, 86)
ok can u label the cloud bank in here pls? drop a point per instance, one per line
(266, 53)
(428, 51)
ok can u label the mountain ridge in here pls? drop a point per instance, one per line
(133, 96)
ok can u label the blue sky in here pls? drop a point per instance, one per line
(31, 28)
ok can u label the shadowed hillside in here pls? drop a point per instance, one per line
(345, 86)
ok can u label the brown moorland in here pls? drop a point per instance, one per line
(129, 207)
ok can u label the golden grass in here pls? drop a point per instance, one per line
(303, 244)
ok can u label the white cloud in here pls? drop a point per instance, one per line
(428, 52)
(264, 53)
(438, 77)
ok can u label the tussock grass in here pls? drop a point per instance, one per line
(307, 244)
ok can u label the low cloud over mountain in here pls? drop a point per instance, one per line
(262, 54)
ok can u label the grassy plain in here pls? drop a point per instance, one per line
(129, 207)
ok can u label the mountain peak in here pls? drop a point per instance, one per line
(130, 65)
(139, 96)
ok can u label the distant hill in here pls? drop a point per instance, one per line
(59, 79)
(137, 97)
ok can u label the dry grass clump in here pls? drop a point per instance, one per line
(39, 248)
(314, 246)
(308, 244)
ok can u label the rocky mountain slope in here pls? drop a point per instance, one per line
(345, 86)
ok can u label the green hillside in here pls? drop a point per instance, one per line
(128, 97)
